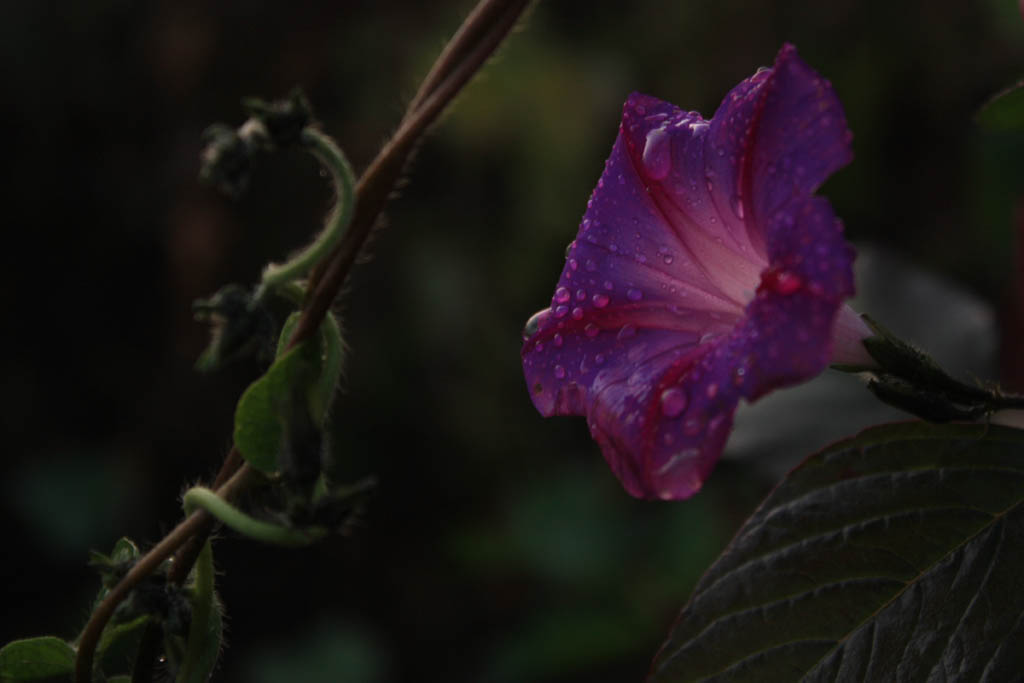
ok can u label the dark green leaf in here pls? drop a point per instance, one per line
(119, 640)
(1005, 111)
(330, 362)
(897, 554)
(330, 369)
(258, 416)
(36, 658)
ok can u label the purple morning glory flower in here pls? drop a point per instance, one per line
(704, 271)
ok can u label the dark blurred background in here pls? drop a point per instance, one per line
(499, 546)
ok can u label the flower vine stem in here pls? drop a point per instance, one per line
(146, 565)
(475, 41)
(481, 33)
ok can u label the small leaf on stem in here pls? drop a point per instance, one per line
(36, 658)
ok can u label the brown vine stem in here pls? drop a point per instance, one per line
(146, 565)
(474, 42)
(376, 184)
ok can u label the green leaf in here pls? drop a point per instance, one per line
(303, 370)
(36, 658)
(330, 362)
(1005, 111)
(331, 357)
(203, 645)
(119, 641)
(260, 411)
(895, 554)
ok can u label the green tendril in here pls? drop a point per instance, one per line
(324, 149)
(268, 532)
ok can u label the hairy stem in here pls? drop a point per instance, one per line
(377, 182)
(146, 565)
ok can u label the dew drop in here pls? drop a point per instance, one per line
(634, 294)
(560, 311)
(626, 332)
(581, 295)
(712, 390)
(657, 157)
(577, 313)
(561, 295)
(673, 402)
(599, 359)
(600, 300)
(608, 285)
(591, 330)
(534, 323)
(574, 264)
(559, 372)
(558, 341)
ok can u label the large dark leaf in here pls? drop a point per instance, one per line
(897, 555)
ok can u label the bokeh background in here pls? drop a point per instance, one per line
(499, 547)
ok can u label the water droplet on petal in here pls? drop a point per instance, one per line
(560, 311)
(657, 156)
(626, 332)
(712, 390)
(577, 313)
(608, 285)
(574, 264)
(673, 402)
(534, 323)
(600, 300)
(634, 294)
(557, 339)
(591, 330)
(599, 359)
(559, 372)
(561, 295)
(581, 294)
